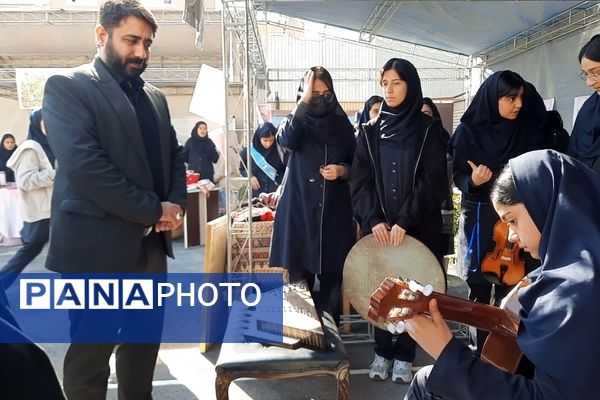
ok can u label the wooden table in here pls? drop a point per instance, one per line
(201, 208)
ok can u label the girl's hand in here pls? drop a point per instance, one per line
(333, 171)
(397, 234)
(307, 86)
(431, 333)
(481, 174)
(381, 232)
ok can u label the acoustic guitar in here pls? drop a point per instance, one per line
(503, 265)
(500, 348)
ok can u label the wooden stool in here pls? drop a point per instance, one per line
(253, 360)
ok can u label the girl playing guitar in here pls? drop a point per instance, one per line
(549, 201)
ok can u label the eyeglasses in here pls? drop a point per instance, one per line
(595, 76)
(327, 95)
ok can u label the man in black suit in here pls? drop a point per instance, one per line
(119, 188)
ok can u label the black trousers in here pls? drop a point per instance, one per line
(328, 298)
(34, 236)
(403, 349)
(482, 293)
(86, 368)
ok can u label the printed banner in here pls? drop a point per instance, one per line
(142, 308)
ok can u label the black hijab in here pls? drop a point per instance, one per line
(200, 144)
(5, 155)
(364, 115)
(333, 127)
(585, 138)
(271, 154)
(560, 317)
(436, 114)
(497, 139)
(36, 134)
(400, 126)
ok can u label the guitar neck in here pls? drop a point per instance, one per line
(481, 316)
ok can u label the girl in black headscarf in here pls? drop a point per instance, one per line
(585, 138)
(505, 119)
(7, 148)
(429, 108)
(313, 225)
(37, 133)
(550, 202)
(370, 110)
(200, 152)
(33, 164)
(398, 184)
(267, 161)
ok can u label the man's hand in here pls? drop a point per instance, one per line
(254, 183)
(481, 174)
(431, 333)
(171, 218)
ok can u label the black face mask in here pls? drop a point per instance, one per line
(320, 105)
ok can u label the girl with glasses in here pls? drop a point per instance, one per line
(585, 138)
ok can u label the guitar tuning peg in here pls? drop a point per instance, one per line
(391, 327)
(427, 290)
(414, 286)
(400, 327)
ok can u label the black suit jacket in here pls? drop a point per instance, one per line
(103, 192)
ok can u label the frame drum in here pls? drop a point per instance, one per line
(369, 263)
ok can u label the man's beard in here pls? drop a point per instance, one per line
(120, 66)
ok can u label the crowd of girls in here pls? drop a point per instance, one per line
(392, 178)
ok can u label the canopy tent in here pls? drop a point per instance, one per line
(464, 27)
(538, 39)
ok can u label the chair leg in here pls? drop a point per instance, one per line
(222, 386)
(343, 382)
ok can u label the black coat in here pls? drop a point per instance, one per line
(104, 196)
(420, 213)
(313, 224)
(200, 154)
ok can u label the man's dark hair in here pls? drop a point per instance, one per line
(113, 12)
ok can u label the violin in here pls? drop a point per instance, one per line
(503, 265)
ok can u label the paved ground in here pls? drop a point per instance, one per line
(183, 373)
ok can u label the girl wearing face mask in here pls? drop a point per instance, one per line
(313, 225)
(505, 119)
(7, 148)
(585, 141)
(267, 161)
(398, 185)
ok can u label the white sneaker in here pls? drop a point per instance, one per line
(402, 372)
(380, 368)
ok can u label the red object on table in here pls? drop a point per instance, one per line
(192, 178)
